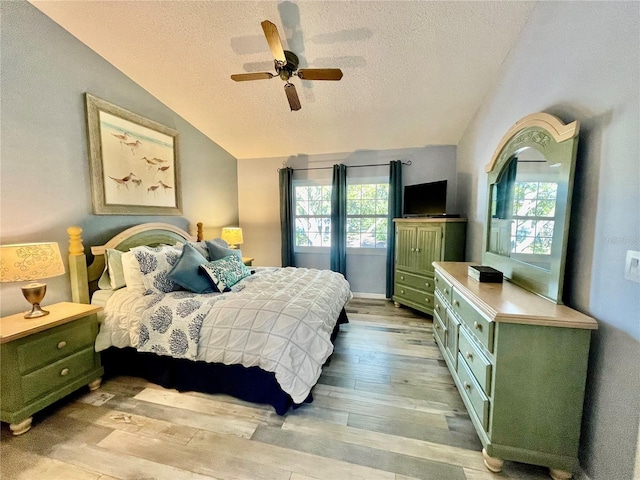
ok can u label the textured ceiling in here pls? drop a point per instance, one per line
(414, 71)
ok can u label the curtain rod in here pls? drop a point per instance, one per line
(408, 162)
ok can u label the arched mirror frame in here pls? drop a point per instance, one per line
(557, 142)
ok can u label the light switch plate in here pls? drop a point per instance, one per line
(632, 266)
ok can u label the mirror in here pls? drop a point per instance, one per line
(530, 182)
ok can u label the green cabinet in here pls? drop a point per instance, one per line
(520, 364)
(419, 242)
(44, 359)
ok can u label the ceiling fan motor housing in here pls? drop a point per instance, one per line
(286, 71)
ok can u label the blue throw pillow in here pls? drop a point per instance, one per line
(186, 272)
(217, 252)
(226, 272)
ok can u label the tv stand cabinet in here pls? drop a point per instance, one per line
(420, 242)
(520, 364)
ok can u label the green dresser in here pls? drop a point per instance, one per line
(44, 359)
(420, 242)
(520, 364)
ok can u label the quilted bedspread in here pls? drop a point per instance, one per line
(280, 320)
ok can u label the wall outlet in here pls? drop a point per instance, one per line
(632, 266)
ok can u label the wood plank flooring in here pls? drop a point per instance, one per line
(385, 408)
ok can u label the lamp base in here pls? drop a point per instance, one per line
(36, 312)
(34, 293)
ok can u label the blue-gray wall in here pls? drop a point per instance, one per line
(44, 176)
(581, 61)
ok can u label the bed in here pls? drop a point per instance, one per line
(188, 314)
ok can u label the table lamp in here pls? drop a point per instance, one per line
(27, 262)
(232, 235)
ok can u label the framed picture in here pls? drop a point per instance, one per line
(134, 162)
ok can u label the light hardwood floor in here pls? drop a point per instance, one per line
(385, 408)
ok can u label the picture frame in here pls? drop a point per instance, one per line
(134, 162)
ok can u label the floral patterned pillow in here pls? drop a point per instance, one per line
(155, 265)
(226, 272)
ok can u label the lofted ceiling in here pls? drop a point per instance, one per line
(415, 72)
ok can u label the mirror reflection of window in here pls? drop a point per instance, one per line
(523, 208)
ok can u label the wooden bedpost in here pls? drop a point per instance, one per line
(200, 234)
(78, 266)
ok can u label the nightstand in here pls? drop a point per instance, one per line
(248, 261)
(44, 359)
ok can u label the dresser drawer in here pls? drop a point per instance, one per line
(475, 360)
(439, 306)
(443, 287)
(416, 296)
(419, 282)
(439, 329)
(481, 328)
(451, 347)
(47, 347)
(58, 374)
(474, 394)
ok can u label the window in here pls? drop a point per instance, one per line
(367, 207)
(313, 215)
(534, 211)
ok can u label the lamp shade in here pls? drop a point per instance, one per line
(30, 261)
(232, 235)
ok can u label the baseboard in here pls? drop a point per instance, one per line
(373, 296)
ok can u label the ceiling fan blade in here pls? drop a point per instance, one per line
(320, 73)
(292, 96)
(273, 39)
(243, 77)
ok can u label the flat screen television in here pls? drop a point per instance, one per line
(425, 199)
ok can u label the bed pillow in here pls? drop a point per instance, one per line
(155, 264)
(131, 272)
(112, 278)
(217, 252)
(186, 272)
(226, 272)
(199, 246)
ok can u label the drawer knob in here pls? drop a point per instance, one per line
(446, 292)
(401, 277)
(469, 355)
(64, 372)
(426, 300)
(402, 291)
(417, 249)
(437, 306)
(62, 344)
(413, 249)
(456, 303)
(477, 326)
(467, 386)
(436, 279)
(427, 284)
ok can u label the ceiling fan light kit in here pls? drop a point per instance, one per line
(286, 66)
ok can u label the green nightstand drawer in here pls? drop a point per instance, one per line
(473, 393)
(57, 374)
(419, 282)
(46, 347)
(475, 360)
(480, 327)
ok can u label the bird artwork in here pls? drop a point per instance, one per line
(133, 146)
(122, 137)
(164, 169)
(159, 160)
(136, 181)
(150, 163)
(124, 180)
(164, 185)
(153, 189)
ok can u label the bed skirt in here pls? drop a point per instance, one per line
(250, 384)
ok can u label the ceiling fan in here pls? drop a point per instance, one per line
(286, 66)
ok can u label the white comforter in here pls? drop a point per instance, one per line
(280, 321)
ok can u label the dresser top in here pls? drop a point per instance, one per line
(507, 302)
(16, 326)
